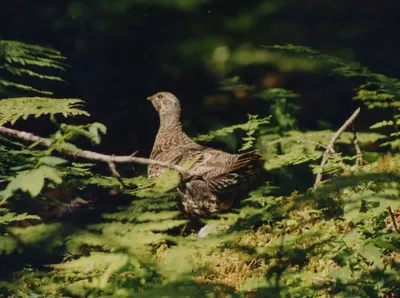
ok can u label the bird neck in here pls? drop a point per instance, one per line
(170, 122)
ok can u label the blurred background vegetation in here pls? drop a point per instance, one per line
(121, 51)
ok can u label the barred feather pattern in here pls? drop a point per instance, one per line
(223, 177)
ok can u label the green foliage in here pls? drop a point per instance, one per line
(20, 59)
(295, 148)
(31, 181)
(340, 239)
(250, 127)
(379, 91)
(280, 102)
(90, 131)
(10, 217)
(282, 109)
(24, 61)
(307, 244)
(13, 109)
(26, 172)
(249, 139)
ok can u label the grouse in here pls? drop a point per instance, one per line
(222, 178)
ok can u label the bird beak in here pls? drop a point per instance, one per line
(149, 98)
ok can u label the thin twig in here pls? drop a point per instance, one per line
(90, 155)
(2, 202)
(393, 219)
(114, 172)
(323, 279)
(359, 157)
(332, 142)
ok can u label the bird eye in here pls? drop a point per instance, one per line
(160, 96)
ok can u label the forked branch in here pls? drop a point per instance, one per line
(329, 147)
(91, 155)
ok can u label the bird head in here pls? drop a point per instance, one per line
(165, 102)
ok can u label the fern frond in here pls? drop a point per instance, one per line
(31, 181)
(306, 147)
(28, 54)
(91, 131)
(13, 109)
(23, 87)
(27, 60)
(23, 71)
(11, 217)
(252, 124)
(385, 124)
(94, 263)
(379, 91)
(234, 83)
(274, 93)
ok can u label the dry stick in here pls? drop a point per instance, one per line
(332, 142)
(114, 172)
(90, 155)
(359, 157)
(323, 279)
(393, 219)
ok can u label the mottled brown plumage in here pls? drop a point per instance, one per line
(222, 176)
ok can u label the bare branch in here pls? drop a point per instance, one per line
(393, 220)
(323, 279)
(359, 157)
(90, 155)
(114, 172)
(329, 148)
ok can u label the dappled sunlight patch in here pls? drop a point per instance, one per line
(229, 267)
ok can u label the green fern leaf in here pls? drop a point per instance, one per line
(23, 71)
(11, 217)
(29, 54)
(274, 93)
(52, 161)
(252, 124)
(385, 123)
(13, 109)
(91, 131)
(24, 87)
(27, 60)
(31, 181)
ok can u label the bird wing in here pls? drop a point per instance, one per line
(212, 163)
(225, 171)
